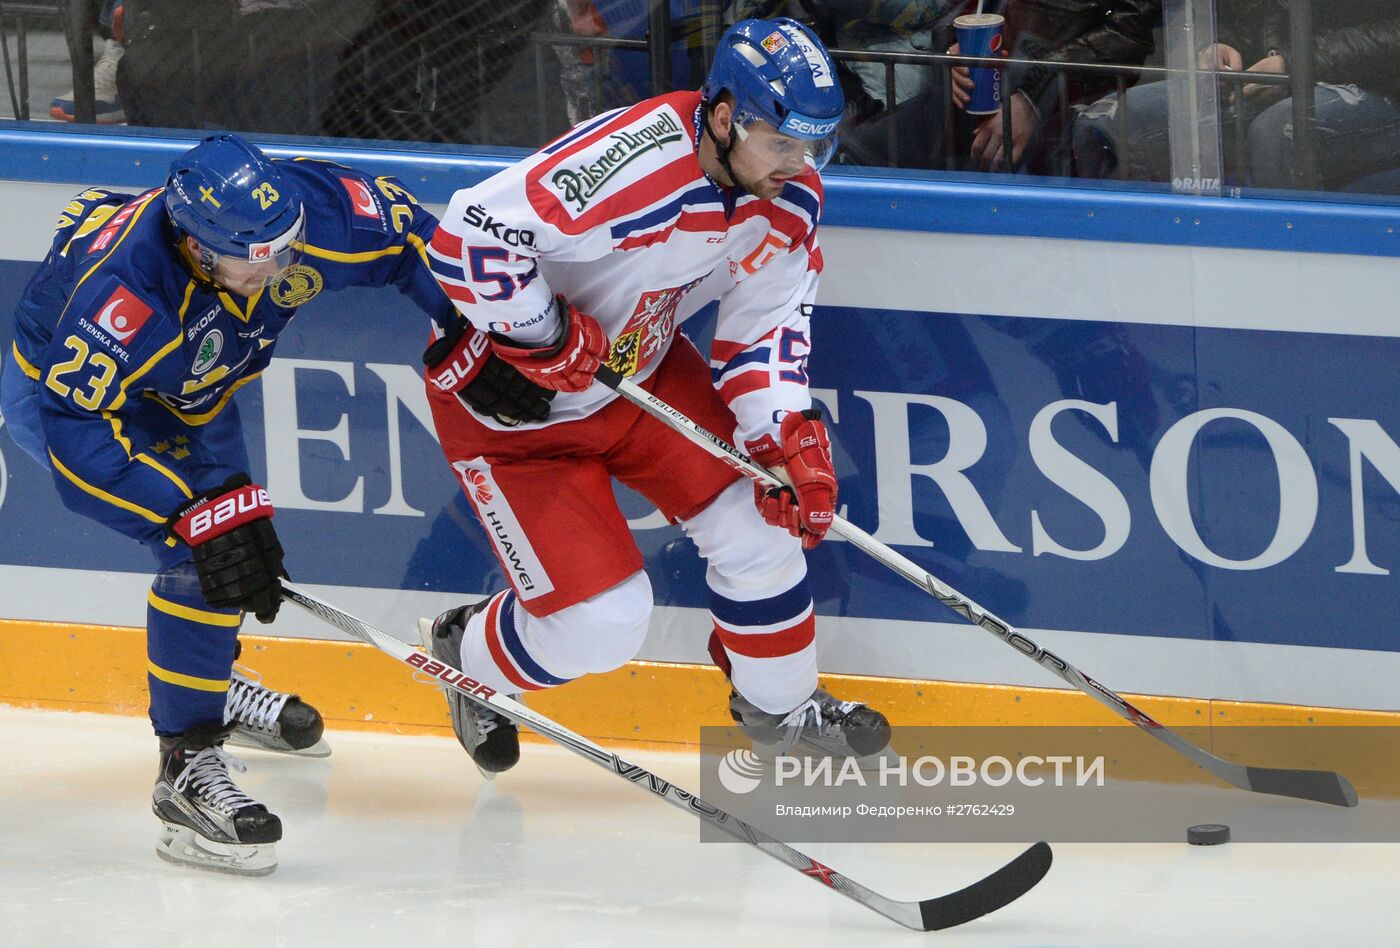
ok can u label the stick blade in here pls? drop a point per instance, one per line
(997, 890)
(1321, 786)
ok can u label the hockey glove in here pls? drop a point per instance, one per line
(463, 362)
(229, 530)
(806, 508)
(567, 365)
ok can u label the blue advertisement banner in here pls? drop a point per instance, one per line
(1178, 481)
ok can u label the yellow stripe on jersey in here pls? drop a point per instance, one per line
(101, 494)
(190, 287)
(100, 215)
(418, 245)
(341, 257)
(151, 363)
(174, 478)
(204, 616)
(186, 681)
(164, 351)
(243, 314)
(204, 418)
(25, 366)
(142, 204)
(145, 459)
(319, 161)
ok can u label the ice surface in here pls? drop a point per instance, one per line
(398, 841)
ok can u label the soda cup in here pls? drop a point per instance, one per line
(980, 34)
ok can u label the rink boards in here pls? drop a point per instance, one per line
(1163, 442)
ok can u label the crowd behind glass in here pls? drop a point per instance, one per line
(1203, 96)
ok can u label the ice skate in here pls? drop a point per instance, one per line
(821, 725)
(492, 740)
(272, 720)
(207, 822)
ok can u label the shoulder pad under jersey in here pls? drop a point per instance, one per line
(616, 165)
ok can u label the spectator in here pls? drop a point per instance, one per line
(249, 65)
(888, 26)
(582, 97)
(107, 104)
(893, 26)
(918, 109)
(1054, 32)
(1356, 50)
(450, 71)
(626, 74)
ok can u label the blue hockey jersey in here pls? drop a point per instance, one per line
(127, 346)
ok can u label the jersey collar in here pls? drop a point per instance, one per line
(729, 196)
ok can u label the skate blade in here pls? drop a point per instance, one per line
(241, 737)
(452, 713)
(866, 763)
(767, 754)
(884, 757)
(182, 846)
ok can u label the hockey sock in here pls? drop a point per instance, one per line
(770, 646)
(190, 649)
(495, 650)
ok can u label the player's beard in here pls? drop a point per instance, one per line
(760, 186)
(759, 183)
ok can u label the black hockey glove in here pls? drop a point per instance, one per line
(463, 362)
(236, 552)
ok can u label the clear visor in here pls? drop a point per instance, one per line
(263, 264)
(800, 144)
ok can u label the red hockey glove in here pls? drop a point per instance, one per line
(229, 530)
(569, 364)
(462, 362)
(806, 508)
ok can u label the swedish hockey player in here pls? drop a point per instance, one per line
(148, 313)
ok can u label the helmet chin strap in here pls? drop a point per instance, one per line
(208, 261)
(722, 150)
(202, 266)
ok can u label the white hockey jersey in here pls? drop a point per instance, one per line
(618, 216)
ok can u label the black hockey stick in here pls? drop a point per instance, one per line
(1322, 786)
(1001, 888)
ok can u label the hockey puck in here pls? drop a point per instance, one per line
(1208, 834)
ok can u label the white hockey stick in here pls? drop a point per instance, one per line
(1321, 786)
(1000, 888)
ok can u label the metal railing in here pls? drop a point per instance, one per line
(1120, 73)
(17, 20)
(74, 17)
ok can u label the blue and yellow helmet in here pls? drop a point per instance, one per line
(230, 197)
